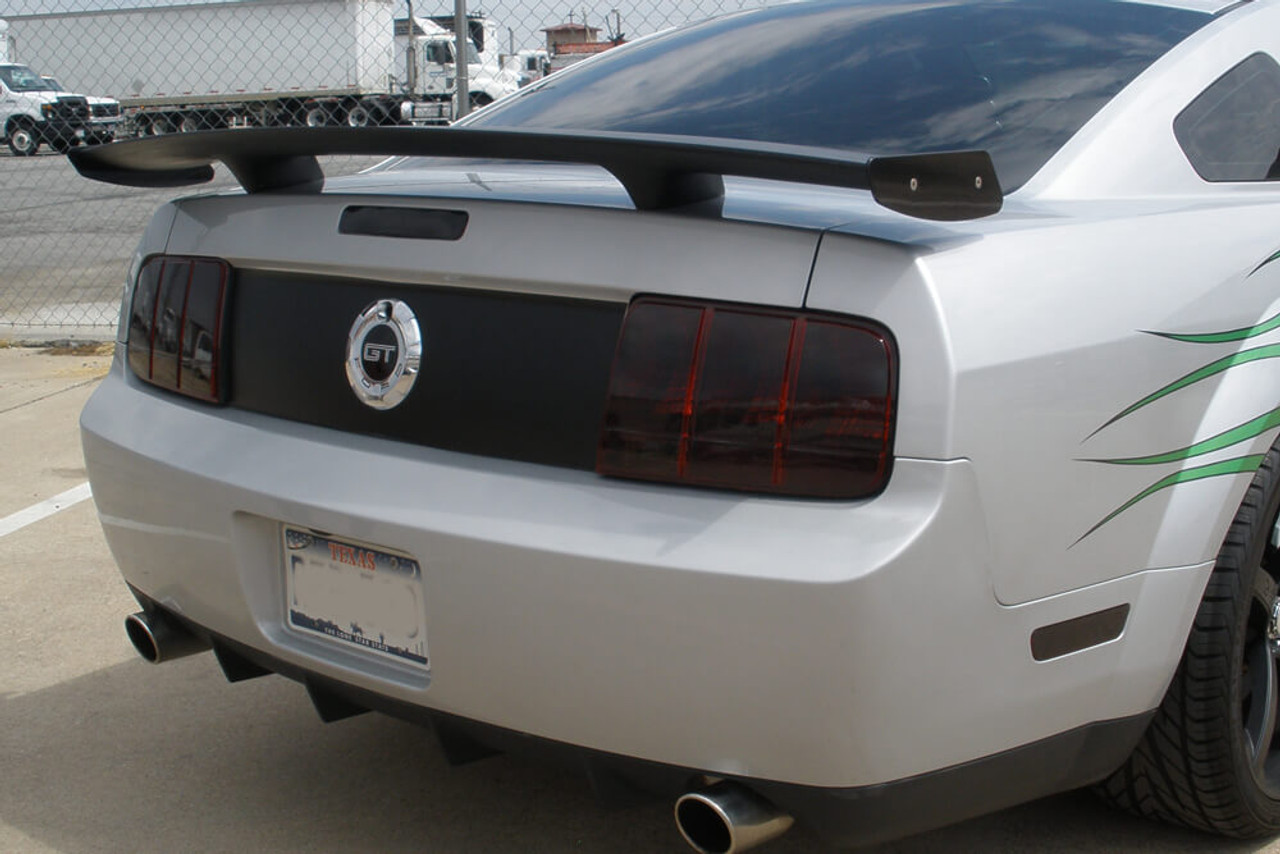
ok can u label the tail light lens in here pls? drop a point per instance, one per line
(751, 399)
(175, 325)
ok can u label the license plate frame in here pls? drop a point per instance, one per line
(355, 595)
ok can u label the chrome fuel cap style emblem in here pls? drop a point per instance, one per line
(384, 350)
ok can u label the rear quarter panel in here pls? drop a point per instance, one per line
(1037, 343)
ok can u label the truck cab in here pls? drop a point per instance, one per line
(104, 115)
(528, 64)
(33, 112)
(429, 70)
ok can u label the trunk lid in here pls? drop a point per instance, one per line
(519, 315)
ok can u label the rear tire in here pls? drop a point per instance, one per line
(1209, 758)
(23, 141)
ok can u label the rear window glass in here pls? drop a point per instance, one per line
(1231, 132)
(1014, 77)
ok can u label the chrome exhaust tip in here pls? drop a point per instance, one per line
(159, 639)
(727, 818)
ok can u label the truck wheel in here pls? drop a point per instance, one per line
(360, 117)
(1209, 759)
(23, 141)
(189, 124)
(317, 116)
(480, 99)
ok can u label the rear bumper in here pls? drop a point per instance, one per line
(832, 646)
(845, 817)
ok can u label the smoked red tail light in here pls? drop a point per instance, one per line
(175, 325)
(754, 399)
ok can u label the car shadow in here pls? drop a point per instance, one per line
(172, 758)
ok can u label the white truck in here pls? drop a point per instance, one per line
(264, 63)
(531, 63)
(33, 112)
(104, 114)
(430, 65)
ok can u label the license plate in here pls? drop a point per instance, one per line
(356, 595)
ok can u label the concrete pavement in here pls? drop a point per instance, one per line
(100, 751)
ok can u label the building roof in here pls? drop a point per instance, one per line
(570, 28)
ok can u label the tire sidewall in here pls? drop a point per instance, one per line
(1239, 567)
(23, 141)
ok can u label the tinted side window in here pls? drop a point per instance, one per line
(1231, 132)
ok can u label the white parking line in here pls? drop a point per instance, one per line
(36, 512)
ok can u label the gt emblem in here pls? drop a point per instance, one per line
(384, 350)
(380, 353)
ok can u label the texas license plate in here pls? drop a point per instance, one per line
(356, 595)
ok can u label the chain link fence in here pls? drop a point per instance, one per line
(81, 72)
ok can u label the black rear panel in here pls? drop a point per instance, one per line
(502, 375)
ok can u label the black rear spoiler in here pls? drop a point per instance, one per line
(659, 172)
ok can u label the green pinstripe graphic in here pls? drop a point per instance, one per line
(1239, 465)
(1251, 429)
(1275, 257)
(1227, 438)
(1231, 334)
(1225, 337)
(1214, 368)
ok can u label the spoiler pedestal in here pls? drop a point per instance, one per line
(659, 172)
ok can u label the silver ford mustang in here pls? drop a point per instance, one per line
(861, 414)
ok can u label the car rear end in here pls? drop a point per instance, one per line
(642, 503)
(668, 490)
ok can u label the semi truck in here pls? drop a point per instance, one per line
(264, 63)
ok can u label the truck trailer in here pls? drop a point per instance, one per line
(268, 63)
